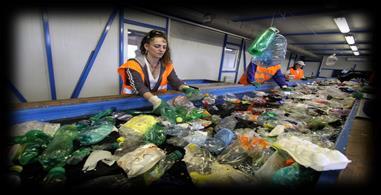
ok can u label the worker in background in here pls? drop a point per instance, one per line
(267, 65)
(296, 72)
(152, 71)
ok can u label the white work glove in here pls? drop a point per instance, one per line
(155, 101)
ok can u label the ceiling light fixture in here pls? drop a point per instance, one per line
(350, 39)
(342, 24)
(353, 47)
(356, 53)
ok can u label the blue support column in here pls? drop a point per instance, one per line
(19, 96)
(239, 59)
(289, 60)
(92, 57)
(167, 26)
(121, 44)
(318, 73)
(48, 50)
(244, 56)
(222, 57)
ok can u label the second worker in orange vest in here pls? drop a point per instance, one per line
(296, 72)
(152, 71)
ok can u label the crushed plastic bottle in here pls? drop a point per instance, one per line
(34, 142)
(60, 148)
(55, 178)
(228, 122)
(161, 167)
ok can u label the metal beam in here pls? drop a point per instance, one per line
(239, 60)
(19, 96)
(329, 43)
(133, 22)
(121, 44)
(323, 33)
(222, 56)
(186, 21)
(92, 57)
(279, 15)
(48, 50)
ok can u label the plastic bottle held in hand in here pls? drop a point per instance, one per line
(263, 41)
(161, 167)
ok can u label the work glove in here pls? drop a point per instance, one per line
(286, 88)
(256, 84)
(163, 109)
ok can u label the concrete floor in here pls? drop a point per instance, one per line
(360, 151)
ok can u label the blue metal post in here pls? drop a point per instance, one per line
(318, 73)
(239, 59)
(244, 56)
(289, 60)
(222, 56)
(49, 55)
(167, 26)
(19, 96)
(92, 58)
(121, 43)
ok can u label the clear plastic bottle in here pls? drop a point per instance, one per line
(161, 167)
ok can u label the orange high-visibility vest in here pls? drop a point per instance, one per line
(298, 73)
(134, 65)
(262, 74)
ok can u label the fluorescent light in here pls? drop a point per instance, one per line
(227, 49)
(353, 47)
(356, 53)
(342, 24)
(129, 32)
(350, 39)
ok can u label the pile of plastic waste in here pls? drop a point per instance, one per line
(273, 137)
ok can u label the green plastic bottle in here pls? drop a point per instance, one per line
(263, 41)
(161, 167)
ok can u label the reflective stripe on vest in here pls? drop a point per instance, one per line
(263, 74)
(134, 65)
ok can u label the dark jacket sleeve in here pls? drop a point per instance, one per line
(174, 81)
(279, 78)
(137, 81)
(251, 72)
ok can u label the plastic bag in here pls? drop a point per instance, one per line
(221, 175)
(138, 124)
(228, 122)
(161, 167)
(197, 159)
(34, 142)
(23, 128)
(95, 134)
(140, 160)
(155, 135)
(59, 148)
(294, 176)
(182, 101)
(78, 155)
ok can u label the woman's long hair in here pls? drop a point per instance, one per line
(149, 37)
